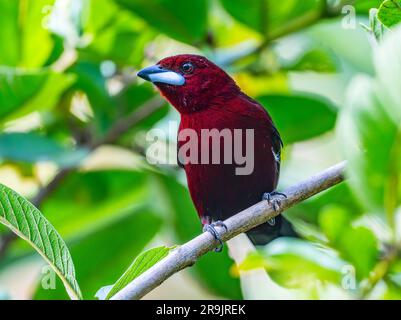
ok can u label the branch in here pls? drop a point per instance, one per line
(187, 254)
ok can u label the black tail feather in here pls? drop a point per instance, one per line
(266, 232)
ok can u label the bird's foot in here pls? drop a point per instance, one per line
(274, 199)
(211, 228)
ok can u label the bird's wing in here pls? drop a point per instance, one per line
(277, 144)
(259, 112)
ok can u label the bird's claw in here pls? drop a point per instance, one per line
(273, 198)
(211, 228)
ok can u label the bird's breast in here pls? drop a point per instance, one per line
(228, 162)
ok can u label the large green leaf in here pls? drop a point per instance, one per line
(103, 252)
(213, 270)
(311, 209)
(390, 13)
(27, 222)
(107, 217)
(315, 59)
(357, 245)
(270, 17)
(296, 263)
(300, 117)
(31, 147)
(141, 263)
(183, 20)
(88, 200)
(21, 30)
(369, 129)
(365, 124)
(22, 92)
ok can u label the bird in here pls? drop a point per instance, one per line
(208, 99)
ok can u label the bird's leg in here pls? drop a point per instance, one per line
(211, 228)
(273, 198)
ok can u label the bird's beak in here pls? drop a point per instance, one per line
(157, 74)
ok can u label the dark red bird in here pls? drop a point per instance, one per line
(208, 98)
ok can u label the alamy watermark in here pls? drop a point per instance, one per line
(205, 146)
(49, 278)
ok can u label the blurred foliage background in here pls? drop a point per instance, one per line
(74, 118)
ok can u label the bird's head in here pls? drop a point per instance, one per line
(190, 82)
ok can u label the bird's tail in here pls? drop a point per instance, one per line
(271, 230)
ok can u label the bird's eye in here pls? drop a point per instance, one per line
(187, 67)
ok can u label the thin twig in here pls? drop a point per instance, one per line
(187, 254)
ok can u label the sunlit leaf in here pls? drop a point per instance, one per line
(390, 13)
(334, 220)
(183, 20)
(22, 92)
(101, 253)
(296, 263)
(269, 16)
(141, 263)
(22, 27)
(27, 222)
(359, 246)
(91, 199)
(370, 129)
(313, 60)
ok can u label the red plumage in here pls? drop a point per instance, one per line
(210, 99)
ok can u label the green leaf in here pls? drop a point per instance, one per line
(182, 20)
(370, 131)
(313, 60)
(22, 92)
(141, 263)
(300, 118)
(27, 222)
(103, 251)
(270, 17)
(89, 200)
(340, 195)
(31, 147)
(296, 263)
(359, 246)
(334, 220)
(390, 13)
(21, 29)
